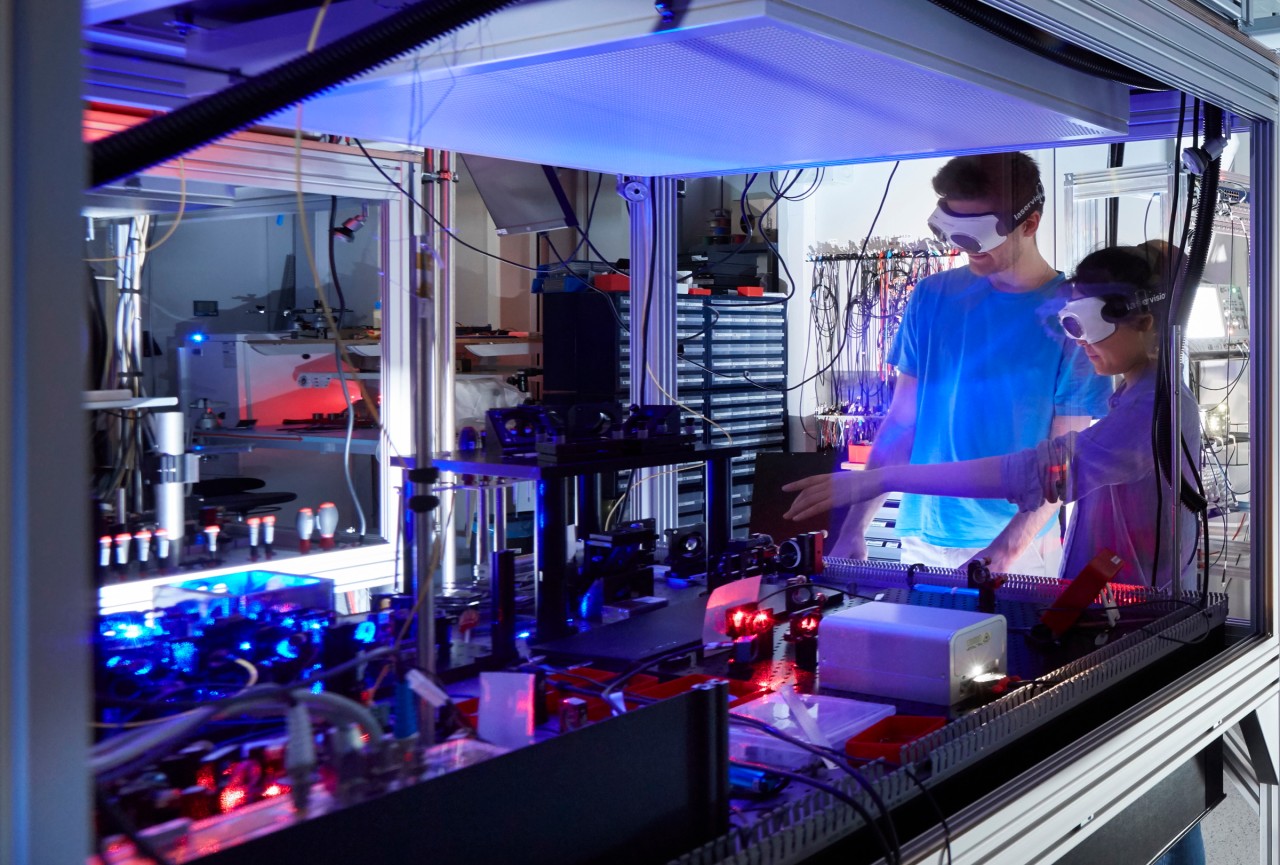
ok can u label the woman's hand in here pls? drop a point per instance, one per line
(822, 493)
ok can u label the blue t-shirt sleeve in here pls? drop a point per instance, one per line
(1079, 392)
(904, 353)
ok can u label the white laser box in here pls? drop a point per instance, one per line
(926, 654)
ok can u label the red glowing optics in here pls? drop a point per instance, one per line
(738, 622)
(807, 626)
(232, 798)
(205, 778)
(761, 622)
(275, 790)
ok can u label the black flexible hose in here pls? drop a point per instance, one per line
(333, 266)
(1202, 232)
(170, 135)
(1183, 291)
(1039, 42)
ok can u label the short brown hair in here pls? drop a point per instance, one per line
(1010, 179)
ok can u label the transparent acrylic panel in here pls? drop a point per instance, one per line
(1215, 363)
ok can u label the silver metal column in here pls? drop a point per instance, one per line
(499, 517)
(439, 195)
(1173, 358)
(1264, 330)
(481, 567)
(422, 347)
(46, 583)
(653, 323)
(169, 429)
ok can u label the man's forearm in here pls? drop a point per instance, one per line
(892, 448)
(1014, 539)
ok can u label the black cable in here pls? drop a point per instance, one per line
(1046, 45)
(791, 283)
(829, 789)
(333, 267)
(648, 298)
(185, 128)
(622, 678)
(586, 282)
(432, 216)
(844, 341)
(937, 809)
(889, 842)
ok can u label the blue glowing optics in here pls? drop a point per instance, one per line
(585, 607)
(147, 667)
(184, 655)
(246, 646)
(197, 337)
(114, 661)
(132, 632)
(366, 632)
(524, 635)
(287, 622)
(317, 687)
(285, 649)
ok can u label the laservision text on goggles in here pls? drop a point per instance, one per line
(1093, 319)
(978, 232)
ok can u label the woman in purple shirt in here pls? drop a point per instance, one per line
(1115, 313)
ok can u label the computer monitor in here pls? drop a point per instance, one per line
(520, 196)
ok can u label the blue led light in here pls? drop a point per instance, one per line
(246, 646)
(114, 661)
(285, 649)
(197, 337)
(585, 607)
(366, 632)
(317, 687)
(524, 635)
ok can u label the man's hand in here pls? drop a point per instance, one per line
(819, 494)
(997, 559)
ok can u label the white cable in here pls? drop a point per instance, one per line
(637, 482)
(691, 411)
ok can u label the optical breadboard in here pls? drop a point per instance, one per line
(926, 654)
(608, 85)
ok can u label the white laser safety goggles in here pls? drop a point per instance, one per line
(1093, 319)
(977, 232)
(1083, 319)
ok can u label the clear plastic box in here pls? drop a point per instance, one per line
(838, 718)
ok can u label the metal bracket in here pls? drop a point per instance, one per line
(177, 468)
(632, 189)
(1260, 735)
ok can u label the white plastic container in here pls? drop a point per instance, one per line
(900, 651)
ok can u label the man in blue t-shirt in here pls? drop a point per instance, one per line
(981, 372)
